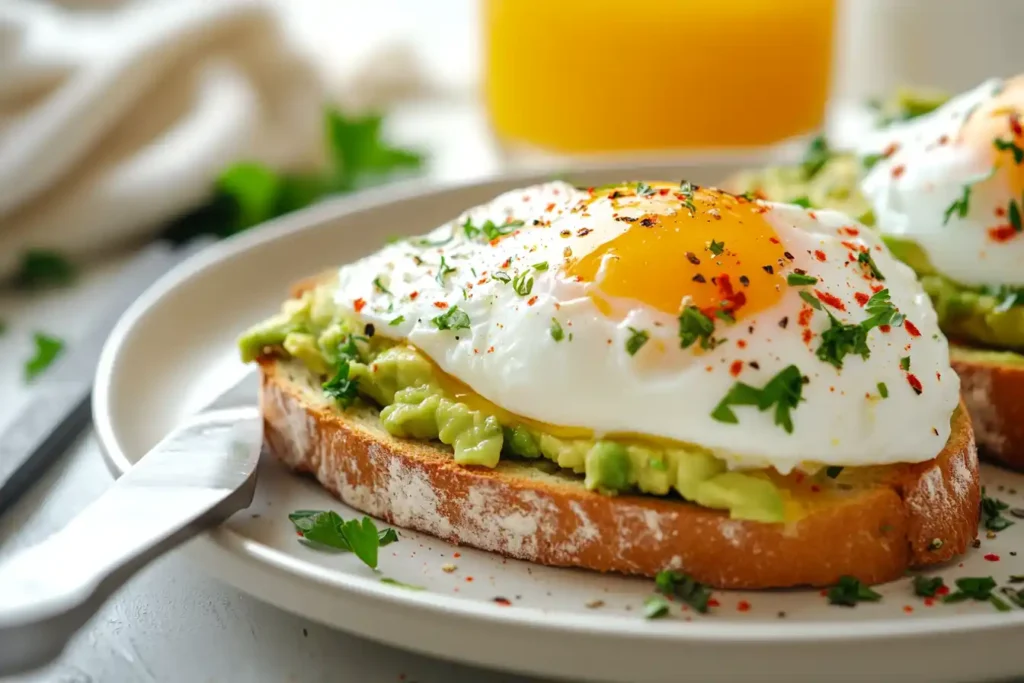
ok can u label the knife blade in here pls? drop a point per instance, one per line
(195, 478)
(58, 407)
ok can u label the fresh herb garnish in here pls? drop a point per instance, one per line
(882, 311)
(523, 283)
(540, 267)
(380, 286)
(849, 591)
(326, 530)
(636, 341)
(397, 321)
(340, 387)
(782, 391)
(644, 190)
(841, 339)
(991, 513)
(816, 156)
(501, 276)
(865, 258)
(811, 300)
(43, 268)
(452, 319)
(958, 207)
(976, 588)
(833, 471)
(1014, 215)
(557, 333)
(693, 326)
(399, 584)
(1004, 145)
(883, 390)
(442, 272)
(905, 363)
(800, 279)
(424, 242)
(716, 248)
(47, 349)
(655, 607)
(803, 201)
(490, 230)
(1013, 595)
(868, 161)
(726, 315)
(694, 594)
(927, 586)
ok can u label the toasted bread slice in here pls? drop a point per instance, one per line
(884, 521)
(992, 386)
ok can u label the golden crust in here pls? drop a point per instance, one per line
(875, 532)
(994, 394)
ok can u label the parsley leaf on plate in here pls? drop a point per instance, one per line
(977, 588)
(991, 513)
(326, 530)
(655, 607)
(43, 268)
(47, 349)
(694, 594)
(849, 591)
(927, 586)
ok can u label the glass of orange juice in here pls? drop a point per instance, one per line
(596, 76)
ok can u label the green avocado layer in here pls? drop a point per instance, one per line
(407, 387)
(987, 316)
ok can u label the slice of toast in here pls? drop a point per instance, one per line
(992, 386)
(883, 522)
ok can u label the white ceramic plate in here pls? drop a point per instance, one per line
(175, 348)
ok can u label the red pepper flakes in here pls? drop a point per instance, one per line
(1015, 124)
(731, 300)
(1001, 211)
(992, 557)
(800, 476)
(469, 579)
(440, 304)
(713, 603)
(663, 191)
(815, 488)
(861, 298)
(908, 609)
(804, 319)
(819, 254)
(773, 240)
(852, 232)
(413, 295)
(742, 343)
(830, 299)
(942, 590)
(532, 301)
(507, 263)
(504, 602)
(897, 171)
(549, 208)
(1003, 233)
(911, 329)
(359, 304)
(928, 602)
(938, 375)
(915, 384)
(743, 606)
(875, 289)
(807, 336)
(526, 197)
(490, 349)
(823, 593)
(890, 149)
(943, 140)
(736, 368)
(852, 246)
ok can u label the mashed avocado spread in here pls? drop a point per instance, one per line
(357, 364)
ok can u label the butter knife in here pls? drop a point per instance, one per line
(58, 407)
(195, 478)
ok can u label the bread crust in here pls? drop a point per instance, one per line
(875, 533)
(994, 394)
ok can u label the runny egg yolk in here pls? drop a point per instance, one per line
(998, 127)
(721, 254)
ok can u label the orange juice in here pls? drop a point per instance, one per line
(576, 76)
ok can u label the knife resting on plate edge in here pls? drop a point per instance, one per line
(195, 478)
(58, 409)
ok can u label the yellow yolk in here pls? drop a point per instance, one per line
(668, 260)
(1002, 120)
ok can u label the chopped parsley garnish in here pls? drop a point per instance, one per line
(816, 156)
(726, 315)
(380, 287)
(47, 349)
(802, 201)
(557, 333)
(452, 319)
(424, 242)
(1004, 145)
(540, 267)
(959, 207)
(833, 471)
(686, 189)
(442, 271)
(693, 326)
(501, 276)
(869, 160)
(644, 190)
(976, 588)
(655, 607)
(926, 586)
(42, 268)
(523, 283)
(800, 279)
(749, 195)
(905, 363)
(991, 513)
(326, 530)
(882, 311)
(340, 387)
(490, 230)
(849, 591)
(841, 339)
(1014, 215)
(883, 390)
(399, 584)
(694, 594)
(716, 248)
(636, 341)
(811, 300)
(1013, 595)
(397, 321)
(782, 391)
(865, 258)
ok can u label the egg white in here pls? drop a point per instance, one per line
(510, 356)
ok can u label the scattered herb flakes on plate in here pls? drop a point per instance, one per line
(326, 530)
(850, 591)
(47, 349)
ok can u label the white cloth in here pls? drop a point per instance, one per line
(113, 122)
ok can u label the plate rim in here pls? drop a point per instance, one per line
(224, 540)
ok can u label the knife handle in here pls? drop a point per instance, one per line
(198, 476)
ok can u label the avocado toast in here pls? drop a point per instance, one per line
(925, 181)
(393, 408)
